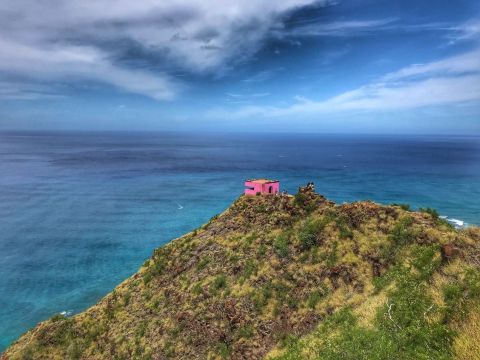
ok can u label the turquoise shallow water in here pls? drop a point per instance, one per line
(79, 212)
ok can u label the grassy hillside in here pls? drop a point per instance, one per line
(288, 277)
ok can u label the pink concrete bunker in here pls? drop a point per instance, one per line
(261, 186)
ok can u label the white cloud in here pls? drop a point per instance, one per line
(468, 62)
(470, 30)
(71, 39)
(263, 75)
(137, 46)
(69, 63)
(339, 28)
(391, 96)
(454, 80)
(25, 91)
(243, 96)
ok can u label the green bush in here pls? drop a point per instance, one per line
(281, 290)
(292, 302)
(388, 277)
(402, 233)
(260, 297)
(203, 263)
(220, 282)
(432, 212)
(245, 332)
(142, 327)
(147, 277)
(58, 317)
(436, 216)
(405, 207)
(457, 295)
(292, 345)
(426, 260)
(310, 231)
(250, 239)
(223, 350)
(147, 294)
(472, 283)
(250, 269)
(300, 199)
(153, 270)
(344, 230)
(314, 298)
(262, 249)
(332, 256)
(126, 298)
(445, 223)
(281, 245)
(453, 297)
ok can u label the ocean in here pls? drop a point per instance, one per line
(80, 212)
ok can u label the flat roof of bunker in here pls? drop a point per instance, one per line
(262, 181)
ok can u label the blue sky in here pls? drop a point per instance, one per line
(383, 66)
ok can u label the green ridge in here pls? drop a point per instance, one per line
(287, 277)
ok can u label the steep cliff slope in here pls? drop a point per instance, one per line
(287, 278)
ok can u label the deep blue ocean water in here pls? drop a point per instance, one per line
(80, 212)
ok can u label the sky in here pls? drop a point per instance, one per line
(331, 66)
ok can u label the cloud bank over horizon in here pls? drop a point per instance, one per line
(455, 80)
